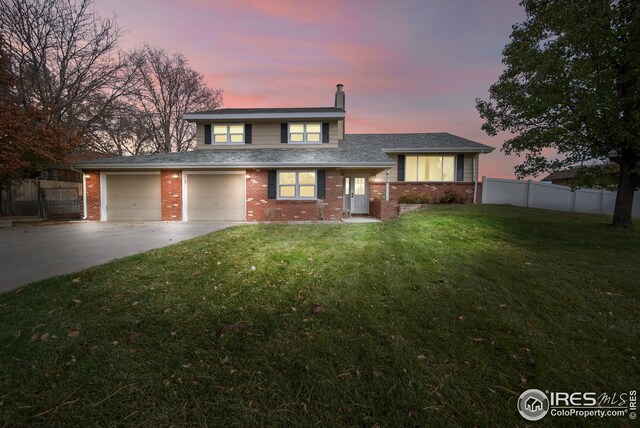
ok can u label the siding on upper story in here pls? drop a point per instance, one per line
(393, 172)
(266, 134)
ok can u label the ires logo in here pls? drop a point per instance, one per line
(534, 404)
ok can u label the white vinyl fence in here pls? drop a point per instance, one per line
(536, 194)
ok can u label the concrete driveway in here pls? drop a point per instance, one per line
(32, 253)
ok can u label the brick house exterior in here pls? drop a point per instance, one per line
(282, 164)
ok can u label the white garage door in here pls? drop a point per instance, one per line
(216, 197)
(133, 197)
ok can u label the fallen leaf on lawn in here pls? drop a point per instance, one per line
(530, 361)
(136, 303)
(309, 335)
(413, 415)
(307, 320)
(75, 280)
(173, 334)
(219, 263)
(503, 305)
(134, 337)
(77, 301)
(376, 374)
(186, 366)
(115, 342)
(232, 371)
(44, 337)
(462, 318)
(71, 361)
(239, 326)
(225, 360)
(317, 309)
(74, 332)
(253, 268)
(422, 357)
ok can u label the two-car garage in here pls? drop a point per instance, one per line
(206, 196)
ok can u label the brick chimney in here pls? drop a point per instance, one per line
(339, 96)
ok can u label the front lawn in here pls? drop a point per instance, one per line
(441, 317)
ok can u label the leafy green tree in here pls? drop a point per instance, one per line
(572, 84)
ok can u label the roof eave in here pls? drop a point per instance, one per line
(439, 150)
(204, 165)
(236, 116)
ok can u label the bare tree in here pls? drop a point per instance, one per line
(121, 130)
(168, 88)
(65, 57)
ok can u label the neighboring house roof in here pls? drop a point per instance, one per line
(560, 175)
(358, 150)
(268, 113)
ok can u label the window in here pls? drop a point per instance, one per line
(297, 184)
(430, 168)
(229, 134)
(300, 133)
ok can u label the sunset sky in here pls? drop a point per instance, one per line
(406, 66)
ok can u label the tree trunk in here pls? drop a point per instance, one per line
(627, 183)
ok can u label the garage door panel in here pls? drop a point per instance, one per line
(216, 197)
(133, 198)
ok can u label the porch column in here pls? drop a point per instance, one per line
(386, 180)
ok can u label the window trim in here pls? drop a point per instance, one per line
(417, 156)
(228, 134)
(296, 186)
(304, 133)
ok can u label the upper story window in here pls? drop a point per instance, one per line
(430, 168)
(297, 184)
(300, 133)
(229, 134)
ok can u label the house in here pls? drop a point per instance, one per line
(597, 175)
(289, 164)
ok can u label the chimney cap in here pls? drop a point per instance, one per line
(339, 86)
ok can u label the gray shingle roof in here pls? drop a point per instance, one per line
(357, 150)
(270, 110)
(429, 142)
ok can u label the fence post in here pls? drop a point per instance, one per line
(484, 189)
(573, 202)
(601, 201)
(529, 185)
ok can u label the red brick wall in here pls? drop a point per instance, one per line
(436, 190)
(93, 195)
(382, 209)
(260, 208)
(171, 194)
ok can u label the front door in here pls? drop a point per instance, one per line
(358, 194)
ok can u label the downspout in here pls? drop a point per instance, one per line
(475, 178)
(84, 192)
(387, 185)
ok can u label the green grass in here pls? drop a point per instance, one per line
(441, 317)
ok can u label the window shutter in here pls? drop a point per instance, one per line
(400, 167)
(207, 134)
(460, 168)
(322, 185)
(271, 182)
(325, 132)
(247, 133)
(284, 130)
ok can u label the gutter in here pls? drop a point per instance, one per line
(232, 166)
(246, 116)
(439, 150)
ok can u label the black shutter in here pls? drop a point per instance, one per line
(460, 168)
(325, 132)
(321, 184)
(284, 131)
(247, 133)
(400, 167)
(271, 182)
(207, 134)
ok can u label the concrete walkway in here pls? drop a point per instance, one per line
(32, 253)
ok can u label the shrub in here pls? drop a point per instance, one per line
(452, 197)
(422, 198)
